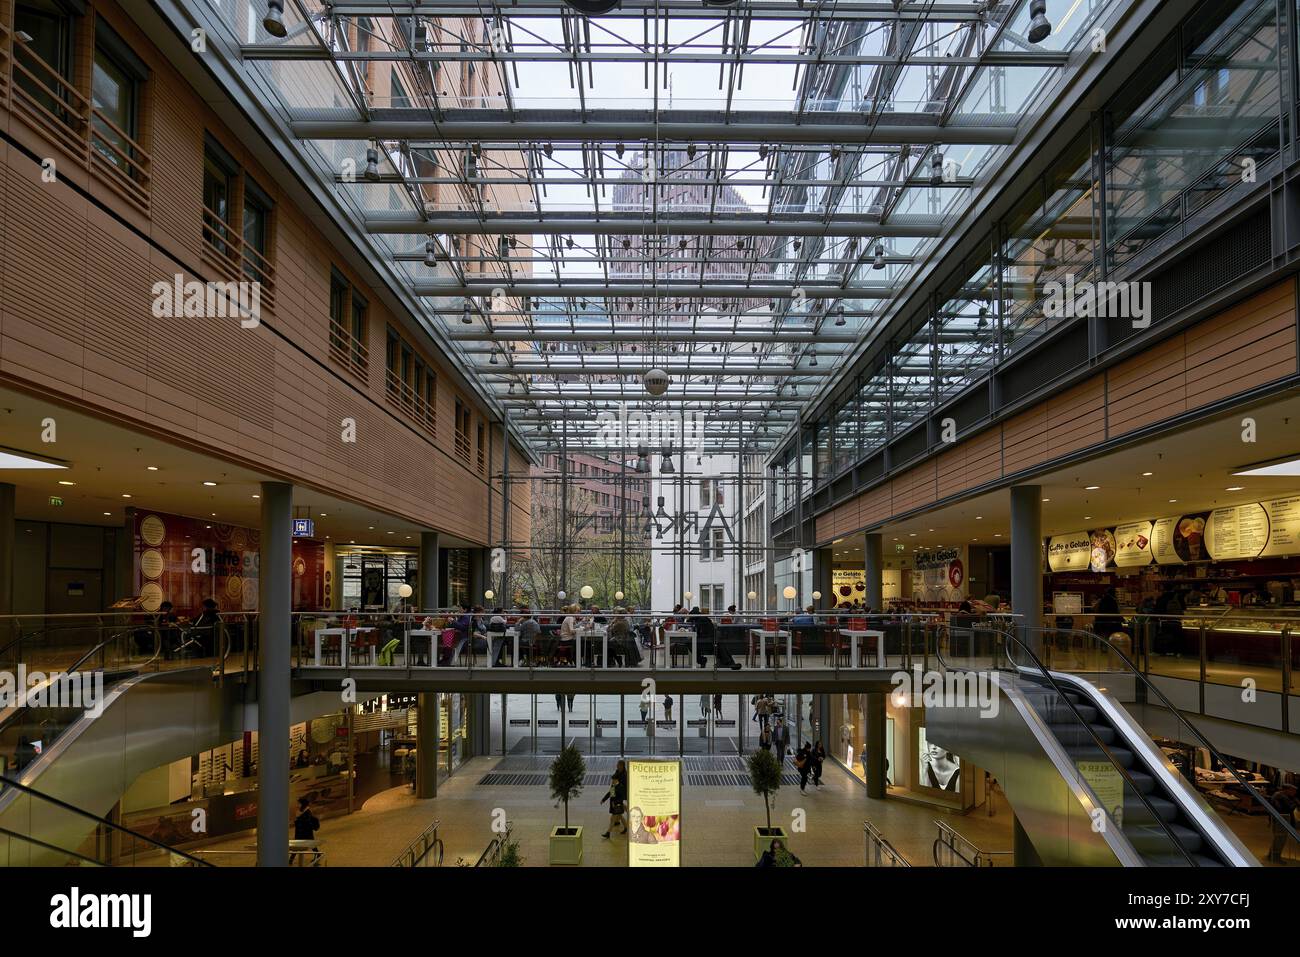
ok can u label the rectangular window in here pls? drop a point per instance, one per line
(116, 77)
(397, 92)
(218, 192)
(462, 431)
(482, 449)
(719, 543)
(706, 493)
(256, 228)
(44, 62)
(348, 326)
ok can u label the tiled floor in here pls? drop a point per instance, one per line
(718, 822)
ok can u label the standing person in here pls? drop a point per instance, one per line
(764, 707)
(803, 764)
(668, 707)
(1285, 803)
(305, 825)
(818, 757)
(707, 640)
(645, 709)
(717, 706)
(765, 738)
(617, 798)
(705, 701)
(780, 739)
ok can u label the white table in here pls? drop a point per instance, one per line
(433, 637)
(855, 636)
(670, 634)
(593, 633)
(322, 632)
(762, 644)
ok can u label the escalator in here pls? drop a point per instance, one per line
(1087, 784)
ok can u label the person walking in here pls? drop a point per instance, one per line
(668, 707)
(765, 739)
(705, 701)
(780, 740)
(764, 708)
(818, 755)
(645, 709)
(305, 826)
(617, 798)
(717, 707)
(803, 764)
(1285, 803)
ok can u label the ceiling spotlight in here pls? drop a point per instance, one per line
(681, 244)
(464, 316)
(936, 168)
(1039, 26)
(548, 149)
(879, 261)
(430, 253)
(568, 242)
(619, 148)
(690, 151)
(797, 245)
(372, 164)
(813, 360)
(835, 153)
(666, 465)
(762, 151)
(493, 361)
(740, 244)
(273, 22)
(839, 315)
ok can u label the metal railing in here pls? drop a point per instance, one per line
(952, 850)
(491, 856)
(425, 851)
(879, 852)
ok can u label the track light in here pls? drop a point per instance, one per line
(1039, 26)
(879, 261)
(372, 164)
(690, 151)
(762, 151)
(273, 22)
(936, 168)
(464, 316)
(568, 242)
(548, 149)
(839, 315)
(503, 247)
(430, 253)
(619, 149)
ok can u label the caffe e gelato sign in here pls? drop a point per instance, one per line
(1069, 553)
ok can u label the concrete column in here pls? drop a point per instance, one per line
(274, 604)
(480, 725)
(430, 593)
(427, 730)
(873, 755)
(7, 521)
(1027, 563)
(476, 577)
(873, 553)
(823, 559)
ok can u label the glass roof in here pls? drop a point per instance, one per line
(732, 195)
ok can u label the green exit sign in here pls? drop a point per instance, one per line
(900, 547)
(55, 500)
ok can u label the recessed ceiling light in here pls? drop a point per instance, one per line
(997, 534)
(911, 534)
(1172, 500)
(108, 513)
(66, 482)
(1047, 500)
(152, 468)
(207, 526)
(1148, 474)
(978, 517)
(322, 515)
(255, 495)
(1091, 488)
(388, 533)
(126, 494)
(214, 514)
(1234, 488)
(210, 484)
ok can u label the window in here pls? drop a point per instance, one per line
(116, 77)
(47, 56)
(462, 431)
(397, 92)
(408, 381)
(219, 174)
(257, 232)
(719, 543)
(706, 493)
(348, 325)
(482, 448)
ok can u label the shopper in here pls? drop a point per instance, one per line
(305, 826)
(668, 707)
(617, 798)
(764, 709)
(780, 739)
(717, 706)
(803, 764)
(705, 702)
(818, 755)
(1107, 620)
(708, 640)
(765, 739)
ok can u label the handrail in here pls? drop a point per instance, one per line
(949, 838)
(99, 820)
(1204, 741)
(426, 841)
(495, 847)
(884, 849)
(1110, 756)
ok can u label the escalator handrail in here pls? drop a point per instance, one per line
(1204, 741)
(40, 795)
(1164, 826)
(50, 847)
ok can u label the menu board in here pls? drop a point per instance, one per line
(1237, 532)
(1284, 526)
(1162, 542)
(1133, 545)
(1069, 553)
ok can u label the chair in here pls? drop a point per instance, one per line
(331, 649)
(363, 644)
(678, 649)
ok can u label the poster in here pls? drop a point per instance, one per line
(1107, 786)
(654, 824)
(1133, 545)
(1069, 553)
(1284, 527)
(848, 585)
(1162, 542)
(1101, 549)
(939, 575)
(1237, 532)
(939, 768)
(186, 560)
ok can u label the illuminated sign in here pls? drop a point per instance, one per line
(304, 528)
(654, 819)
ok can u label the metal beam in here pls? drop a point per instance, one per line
(620, 223)
(692, 334)
(667, 290)
(778, 10)
(631, 126)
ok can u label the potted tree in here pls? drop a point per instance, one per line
(765, 779)
(567, 772)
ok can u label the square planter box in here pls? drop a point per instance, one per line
(763, 838)
(566, 848)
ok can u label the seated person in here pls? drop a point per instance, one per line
(804, 619)
(707, 637)
(622, 647)
(530, 634)
(169, 635)
(204, 631)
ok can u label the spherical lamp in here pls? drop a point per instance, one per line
(790, 592)
(586, 592)
(687, 596)
(561, 595)
(489, 594)
(618, 596)
(817, 596)
(656, 382)
(405, 590)
(753, 595)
